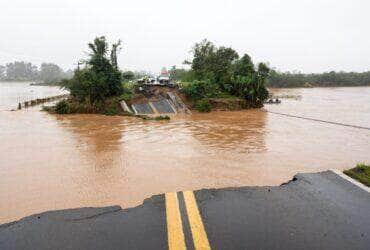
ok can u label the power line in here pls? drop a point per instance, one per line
(319, 120)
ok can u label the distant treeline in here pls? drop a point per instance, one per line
(295, 80)
(327, 79)
(47, 73)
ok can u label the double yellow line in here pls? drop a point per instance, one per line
(175, 232)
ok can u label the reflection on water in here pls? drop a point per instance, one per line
(243, 133)
(101, 135)
(54, 162)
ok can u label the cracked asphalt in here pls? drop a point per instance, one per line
(313, 211)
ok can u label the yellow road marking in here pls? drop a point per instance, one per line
(175, 233)
(196, 225)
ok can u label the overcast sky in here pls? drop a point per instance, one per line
(309, 36)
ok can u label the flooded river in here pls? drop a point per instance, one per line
(52, 162)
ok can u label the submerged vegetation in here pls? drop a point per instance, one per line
(217, 72)
(361, 173)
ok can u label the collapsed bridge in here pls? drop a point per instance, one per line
(156, 101)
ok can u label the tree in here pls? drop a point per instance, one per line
(50, 73)
(128, 75)
(100, 78)
(2, 72)
(116, 47)
(326, 79)
(21, 71)
(244, 66)
(210, 62)
(219, 69)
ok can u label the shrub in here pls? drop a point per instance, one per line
(201, 89)
(62, 107)
(361, 173)
(126, 96)
(203, 105)
(161, 117)
(111, 109)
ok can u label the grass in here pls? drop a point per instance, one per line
(361, 173)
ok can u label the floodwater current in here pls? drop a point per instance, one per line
(50, 162)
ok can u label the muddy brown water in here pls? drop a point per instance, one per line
(52, 162)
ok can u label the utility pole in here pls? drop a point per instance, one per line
(80, 62)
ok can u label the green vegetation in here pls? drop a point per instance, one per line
(62, 107)
(128, 76)
(203, 105)
(328, 79)
(361, 173)
(100, 78)
(156, 118)
(218, 71)
(98, 87)
(182, 75)
(110, 106)
(201, 89)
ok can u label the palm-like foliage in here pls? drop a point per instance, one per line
(101, 78)
(99, 47)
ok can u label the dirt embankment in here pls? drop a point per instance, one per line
(225, 104)
(145, 93)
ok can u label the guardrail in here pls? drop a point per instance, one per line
(38, 101)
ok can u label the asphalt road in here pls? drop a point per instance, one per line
(313, 211)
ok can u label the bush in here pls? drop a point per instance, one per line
(361, 173)
(126, 96)
(203, 105)
(111, 109)
(62, 107)
(161, 117)
(201, 89)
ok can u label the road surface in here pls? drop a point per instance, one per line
(313, 211)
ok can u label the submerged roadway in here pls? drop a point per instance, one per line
(313, 211)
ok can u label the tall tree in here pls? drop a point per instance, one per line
(21, 71)
(116, 47)
(210, 62)
(128, 75)
(50, 73)
(219, 69)
(100, 79)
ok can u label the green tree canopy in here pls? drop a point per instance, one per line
(50, 73)
(128, 75)
(101, 77)
(219, 69)
(326, 79)
(21, 71)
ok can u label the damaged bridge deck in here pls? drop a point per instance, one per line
(157, 100)
(313, 211)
